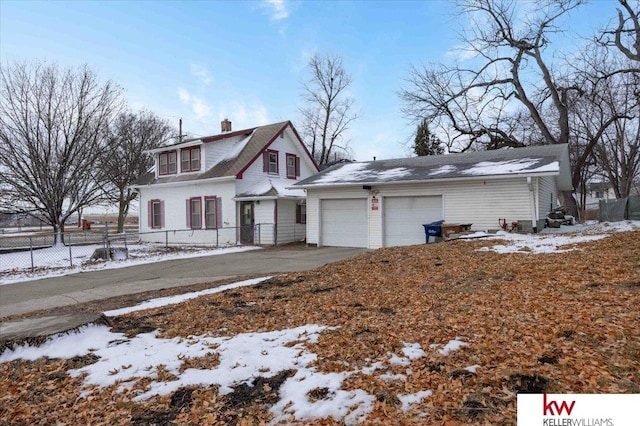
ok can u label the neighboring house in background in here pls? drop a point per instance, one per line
(228, 188)
(385, 203)
(597, 191)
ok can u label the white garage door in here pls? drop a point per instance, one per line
(344, 223)
(404, 217)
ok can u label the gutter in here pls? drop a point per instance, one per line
(185, 182)
(423, 181)
(268, 197)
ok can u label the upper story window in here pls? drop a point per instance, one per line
(270, 162)
(167, 163)
(190, 159)
(293, 166)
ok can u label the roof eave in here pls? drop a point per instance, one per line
(189, 143)
(268, 197)
(422, 181)
(186, 182)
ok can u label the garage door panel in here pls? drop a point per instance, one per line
(404, 217)
(344, 223)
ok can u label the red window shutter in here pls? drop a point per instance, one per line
(150, 214)
(298, 214)
(297, 166)
(265, 161)
(188, 210)
(161, 214)
(218, 212)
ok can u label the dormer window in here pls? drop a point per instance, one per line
(190, 159)
(293, 166)
(167, 163)
(270, 162)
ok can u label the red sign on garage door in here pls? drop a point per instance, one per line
(375, 203)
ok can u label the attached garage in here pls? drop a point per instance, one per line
(384, 203)
(404, 217)
(344, 222)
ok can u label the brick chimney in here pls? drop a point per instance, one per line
(225, 125)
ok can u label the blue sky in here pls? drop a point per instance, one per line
(205, 61)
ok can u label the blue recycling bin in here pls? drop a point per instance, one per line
(433, 229)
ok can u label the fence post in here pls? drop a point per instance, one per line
(166, 240)
(105, 242)
(126, 249)
(31, 250)
(217, 238)
(70, 254)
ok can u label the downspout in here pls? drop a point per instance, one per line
(275, 222)
(532, 203)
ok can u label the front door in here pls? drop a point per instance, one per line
(246, 222)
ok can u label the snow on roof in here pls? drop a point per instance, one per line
(272, 187)
(359, 171)
(538, 160)
(488, 168)
(444, 170)
(236, 149)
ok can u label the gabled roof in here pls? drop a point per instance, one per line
(249, 145)
(529, 161)
(272, 187)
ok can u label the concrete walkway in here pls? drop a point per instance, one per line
(25, 297)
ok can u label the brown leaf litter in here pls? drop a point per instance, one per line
(558, 323)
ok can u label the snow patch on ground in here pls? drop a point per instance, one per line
(14, 267)
(172, 300)
(536, 244)
(553, 240)
(413, 398)
(241, 358)
(413, 351)
(450, 346)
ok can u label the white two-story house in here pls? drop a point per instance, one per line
(228, 188)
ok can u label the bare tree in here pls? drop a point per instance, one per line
(512, 94)
(328, 109)
(626, 35)
(128, 137)
(51, 127)
(617, 154)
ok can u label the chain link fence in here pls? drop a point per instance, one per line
(33, 251)
(620, 209)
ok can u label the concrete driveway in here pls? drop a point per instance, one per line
(21, 298)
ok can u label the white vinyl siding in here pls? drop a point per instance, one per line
(175, 212)
(264, 215)
(404, 217)
(288, 230)
(547, 194)
(480, 202)
(483, 202)
(255, 174)
(344, 223)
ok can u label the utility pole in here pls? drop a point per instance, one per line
(180, 131)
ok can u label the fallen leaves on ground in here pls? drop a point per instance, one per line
(557, 323)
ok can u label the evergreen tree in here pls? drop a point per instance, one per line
(426, 143)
